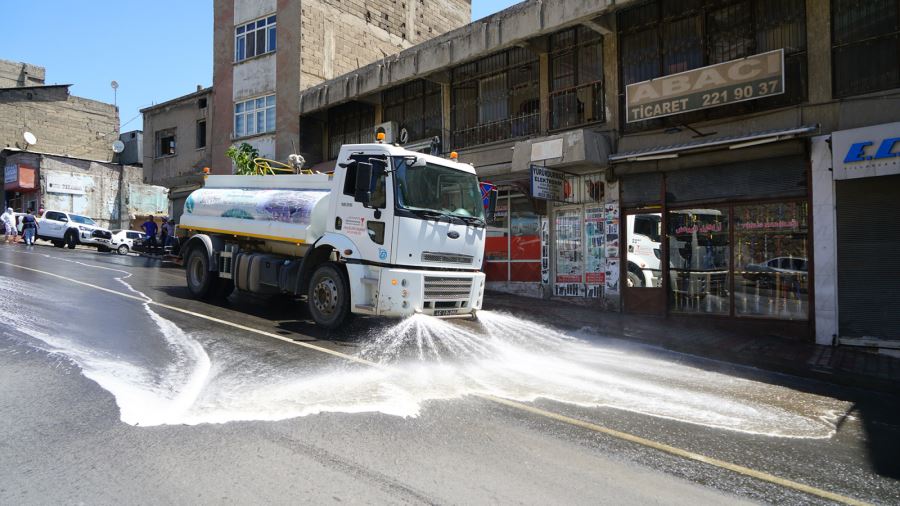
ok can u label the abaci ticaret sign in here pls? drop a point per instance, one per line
(749, 78)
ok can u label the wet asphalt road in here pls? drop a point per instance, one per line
(107, 400)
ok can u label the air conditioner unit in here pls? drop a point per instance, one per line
(391, 131)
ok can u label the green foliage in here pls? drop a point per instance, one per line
(243, 157)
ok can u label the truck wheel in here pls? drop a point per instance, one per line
(201, 282)
(103, 249)
(71, 240)
(634, 281)
(329, 296)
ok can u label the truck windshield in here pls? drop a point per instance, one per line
(84, 220)
(434, 191)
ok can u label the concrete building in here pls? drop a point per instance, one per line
(176, 147)
(112, 194)
(62, 123)
(267, 51)
(672, 158)
(59, 123)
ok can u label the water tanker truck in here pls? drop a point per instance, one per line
(390, 232)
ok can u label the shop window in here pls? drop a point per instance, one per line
(415, 106)
(643, 250)
(569, 248)
(513, 245)
(865, 46)
(576, 78)
(495, 98)
(660, 38)
(699, 258)
(771, 276)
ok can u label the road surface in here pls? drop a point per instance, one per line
(117, 387)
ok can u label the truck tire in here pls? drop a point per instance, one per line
(201, 282)
(635, 281)
(329, 296)
(103, 249)
(71, 239)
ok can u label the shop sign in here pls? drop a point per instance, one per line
(547, 184)
(866, 152)
(65, 183)
(10, 173)
(749, 78)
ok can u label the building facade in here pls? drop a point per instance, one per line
(267, 51)
(176, 146)
(670, 158)
(47, 119)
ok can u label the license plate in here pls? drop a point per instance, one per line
(444, 312)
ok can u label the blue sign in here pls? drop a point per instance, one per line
(857, 151)
(382, 254)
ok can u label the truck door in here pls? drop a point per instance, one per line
(53, 224)
(367, 226)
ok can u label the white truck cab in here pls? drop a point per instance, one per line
(390, 232)
(69, 229)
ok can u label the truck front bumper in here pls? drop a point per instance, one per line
(403, 292)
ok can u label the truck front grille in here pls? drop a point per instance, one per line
(449, 258)
(102, 234)
(441, 288)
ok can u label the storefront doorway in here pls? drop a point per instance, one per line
(642, 278)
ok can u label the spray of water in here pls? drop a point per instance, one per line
(209, 380)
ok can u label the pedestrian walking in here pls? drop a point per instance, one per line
(168, 232)
(30, 227)
(9, 224)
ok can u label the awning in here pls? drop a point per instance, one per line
(732, 142)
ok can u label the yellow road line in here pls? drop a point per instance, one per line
(649, 443)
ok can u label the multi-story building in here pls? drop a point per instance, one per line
(39, 120)
(267, 51)
(692, 159)
(176, 147)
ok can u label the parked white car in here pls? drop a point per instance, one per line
(67, 229)
(124, 241)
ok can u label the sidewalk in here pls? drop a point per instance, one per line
(844, 365)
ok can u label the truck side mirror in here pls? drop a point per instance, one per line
(363, 193)
(491, 210)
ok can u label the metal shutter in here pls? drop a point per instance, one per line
(767, 178)
(868, 237)
(641, 189)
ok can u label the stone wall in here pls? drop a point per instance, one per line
(368, 31)
(15, 74)
(62, 123)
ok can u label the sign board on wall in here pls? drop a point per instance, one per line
(749, 78)
(65, 183)
(547, 184)
(10, 173)
(866, 152)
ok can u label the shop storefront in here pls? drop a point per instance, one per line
(20, 191)
(856, 176)
(729, 239)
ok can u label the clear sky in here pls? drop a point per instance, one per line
(155, 49)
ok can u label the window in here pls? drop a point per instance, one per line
(55, 216)
(576, 78)
(254, 116)
(201, 103)
(165, 142)
(351, 123)
(660, 38)
(84, 220)
(495, 98)
(866, 46)
(699, 256)
(254, 38)
(415, 106)
(201, 134)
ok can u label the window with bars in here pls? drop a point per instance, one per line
(495, 98)
(351, 123)
(415, 106)
(576, 78)
(659, 38)
(254, 38)
(254, 116)
(865, 36)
